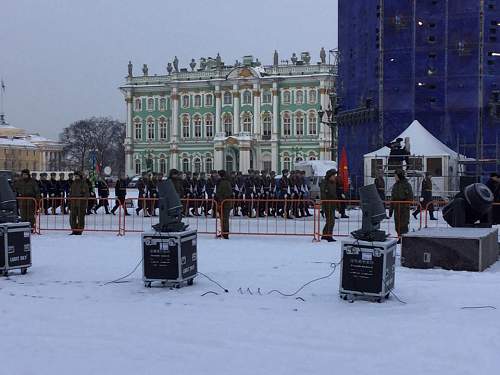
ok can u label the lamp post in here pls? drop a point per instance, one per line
(331, 120)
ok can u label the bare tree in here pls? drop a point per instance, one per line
(102, 135)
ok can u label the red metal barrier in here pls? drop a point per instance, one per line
(292, 217)
(344, 226)
(54, 215)
(143, 214)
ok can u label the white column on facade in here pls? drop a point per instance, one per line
(256, 110)
(175, 115)
(129, 130)
(219, 156)
(218, 111)
(129, 149)
(236, 109)
(244, 158)
(274, 137)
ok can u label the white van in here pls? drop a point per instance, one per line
(315, 171)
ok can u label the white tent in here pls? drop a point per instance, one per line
(428, 154)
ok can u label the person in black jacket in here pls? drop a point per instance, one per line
(103, 192)
(142, 194)
(120, 194)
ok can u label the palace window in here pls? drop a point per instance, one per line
(137, 166)
(197, 126)
(299, 97)
(228, 98)
(229, 163)
(228, 124)
(197, 165)
(247, 123)
(208, 165)
(209, 100)
(185, 127)
(299, 124)
(163, 104)
(151, 104)
(312, 97)
(312, 122)
(197, 100)
(287, 124)
(185, 101)
(138, 130)
(266, 97)
(266, 126)
(247, 97)
(138, 104)
(286, 97)
(185, 165)
(286, 162)
(163, 128)
(151, 129)
(209, 126)
(163, 164)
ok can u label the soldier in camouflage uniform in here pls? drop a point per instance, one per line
(329, 193)
(26, 187)
(78, 205)
(401, 192)
(224, 191)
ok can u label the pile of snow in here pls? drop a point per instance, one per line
(60, 318)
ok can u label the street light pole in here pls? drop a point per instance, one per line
(331, 121)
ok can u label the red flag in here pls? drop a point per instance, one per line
(344, 170)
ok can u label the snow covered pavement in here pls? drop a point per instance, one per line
(60, 318)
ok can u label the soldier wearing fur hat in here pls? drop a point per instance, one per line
(78, 191)
(26, 188)
(401, 192)
(329, 193)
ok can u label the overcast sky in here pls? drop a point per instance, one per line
(62, 60)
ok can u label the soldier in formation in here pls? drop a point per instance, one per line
(426, 197)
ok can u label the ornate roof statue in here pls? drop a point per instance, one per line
(145, 69)
(130, 68)
(218, 61)
(294, 58)
(203, 63)
(322, 55)
(169, 68)
(192, 65)
(275, 58)
(176, 64)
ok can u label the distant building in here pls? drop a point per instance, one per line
(436, 61)
(19, 150)
(239, 117)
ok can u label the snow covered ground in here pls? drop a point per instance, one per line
(60, 318)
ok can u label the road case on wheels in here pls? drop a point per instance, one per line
(169, 258)
(367, 269)
(15, 247)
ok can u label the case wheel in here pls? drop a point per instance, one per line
(24, 271)
(190, 281)
(5, 273)
(147, 284)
